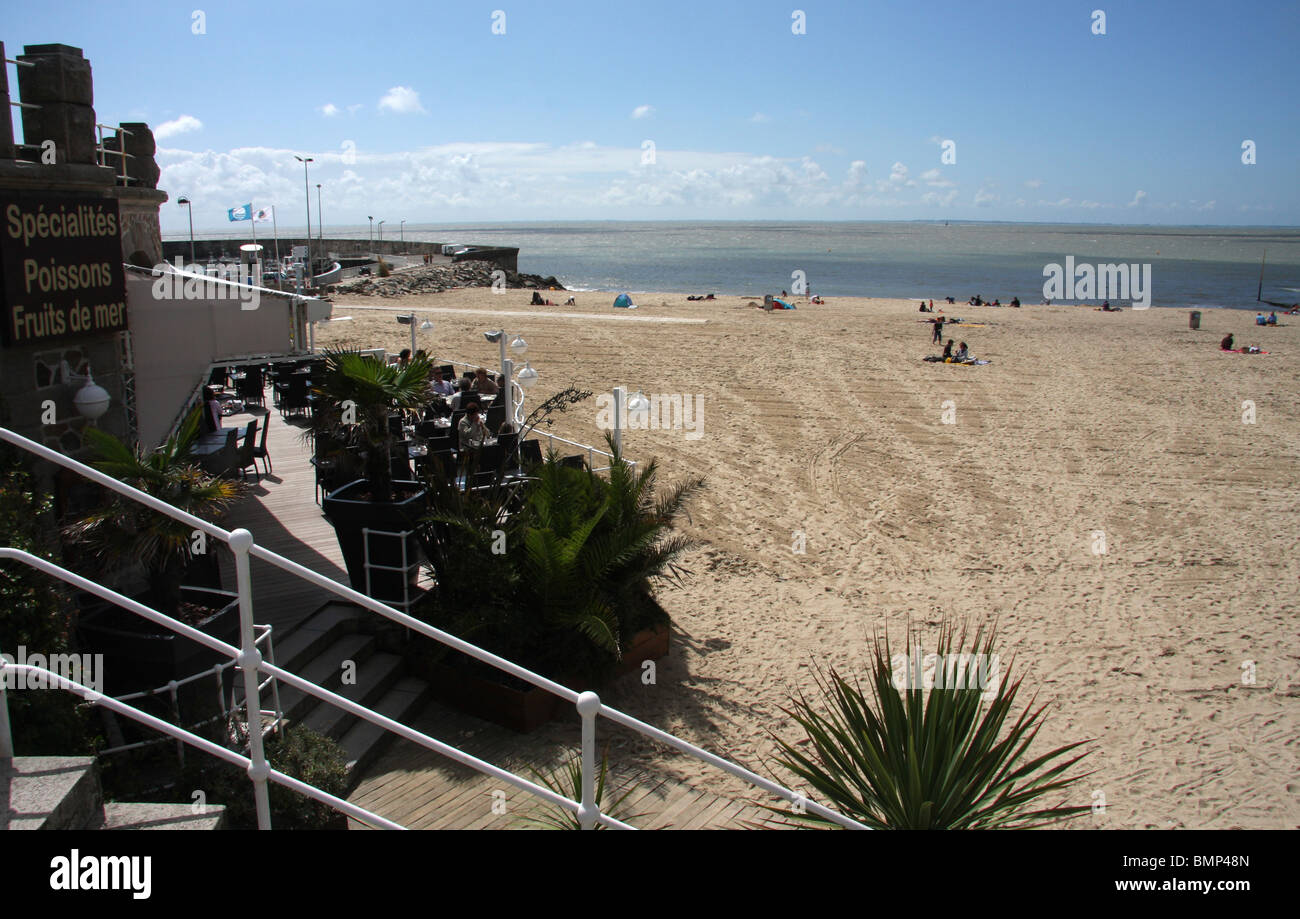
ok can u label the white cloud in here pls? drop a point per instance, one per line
(827, 148)
(176, 126)
(759, 118)
(353, 109)
(1137, 198)
(942, 200)
(985, 197)
(934, 178)
(857, 174)
(898, 176)
(1033, 183)
(403, 100)
(329, 109)
(643, 111)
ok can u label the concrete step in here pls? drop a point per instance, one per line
(374, 677)
(364, 741)
(326, 670)
(328, 623)
(51, 793)
(119, 815)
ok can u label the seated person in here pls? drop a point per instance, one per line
(438, 386)
(947, 350)
(1272, 318)
(211, 411)
(462, 396)
(404, 358)
(1259, 319)
(537, 300)
(961, 355)
(484, 383)
(472, 430)
(1015, 301)
(1226, 344)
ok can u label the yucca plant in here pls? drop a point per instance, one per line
(566, 780)
(942, 758)
(124, 532)
(356, 397)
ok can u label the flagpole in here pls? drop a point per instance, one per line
(276, 230)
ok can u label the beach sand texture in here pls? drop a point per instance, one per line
(825, 421)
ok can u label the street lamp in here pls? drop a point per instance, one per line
(425, 326)
(526, 377)
(320, 221)
(381, 230)
(306, 188)
(402, 231)
(372, 230)
(185, 203)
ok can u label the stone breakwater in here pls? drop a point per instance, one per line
(437, 278)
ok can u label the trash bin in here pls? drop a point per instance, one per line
(1194, 321)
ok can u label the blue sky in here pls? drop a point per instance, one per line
(418, 110)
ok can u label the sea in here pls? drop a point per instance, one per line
(1190, 267)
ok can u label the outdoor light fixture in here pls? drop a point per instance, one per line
(189, 206)
(426, 326)
(494, 337)
(638, 403)
(527, 377)
(519, 346)
(91, 400)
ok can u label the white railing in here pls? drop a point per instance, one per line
(224, 709)
(248, 657)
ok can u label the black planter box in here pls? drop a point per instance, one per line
(349, 516)
(139, 654)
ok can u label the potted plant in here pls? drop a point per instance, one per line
(354, 402)
(560, 583)
(123, 533)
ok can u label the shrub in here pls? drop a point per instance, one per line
(302, 754)
(918, 759)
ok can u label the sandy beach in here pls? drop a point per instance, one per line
(825, 422)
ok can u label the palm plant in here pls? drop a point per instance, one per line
(946, 761)
(566, 781)
(357, 396)
(124, 532)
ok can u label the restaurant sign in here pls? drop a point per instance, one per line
(61, 266)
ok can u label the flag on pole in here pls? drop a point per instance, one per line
(264, 214)
(244, 212)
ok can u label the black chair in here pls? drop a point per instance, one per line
(295, 398)
(245, 458)
(222, 461)
(400, 462)
(448, 372)
(496, 416)
(251, 388)
(577, 461)
(530, 453)
(260, 451)
(219, 377)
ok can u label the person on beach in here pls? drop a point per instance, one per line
(404, 358)
(1272, 318)
(962, 354)
(938, 330)
(570, 301)
(1226, 344)
(947, 351)
(1015, 301)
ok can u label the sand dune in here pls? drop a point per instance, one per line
(825, 421)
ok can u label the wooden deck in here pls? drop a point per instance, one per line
(409, 784)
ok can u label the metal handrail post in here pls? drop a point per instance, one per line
(6, 737)
(620, 399)
(250, 660)
(588, 808)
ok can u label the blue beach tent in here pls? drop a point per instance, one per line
(623, 301)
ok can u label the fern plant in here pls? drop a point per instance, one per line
(566, 781)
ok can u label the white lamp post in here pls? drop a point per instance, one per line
(189, 206)
(91, 400)
(306, 188)
(519, 346)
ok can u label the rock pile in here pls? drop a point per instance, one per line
(437, 278)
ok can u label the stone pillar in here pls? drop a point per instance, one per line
(6, 118)
(60, 84)
(140, 145)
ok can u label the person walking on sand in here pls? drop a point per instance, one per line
(938, 330)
